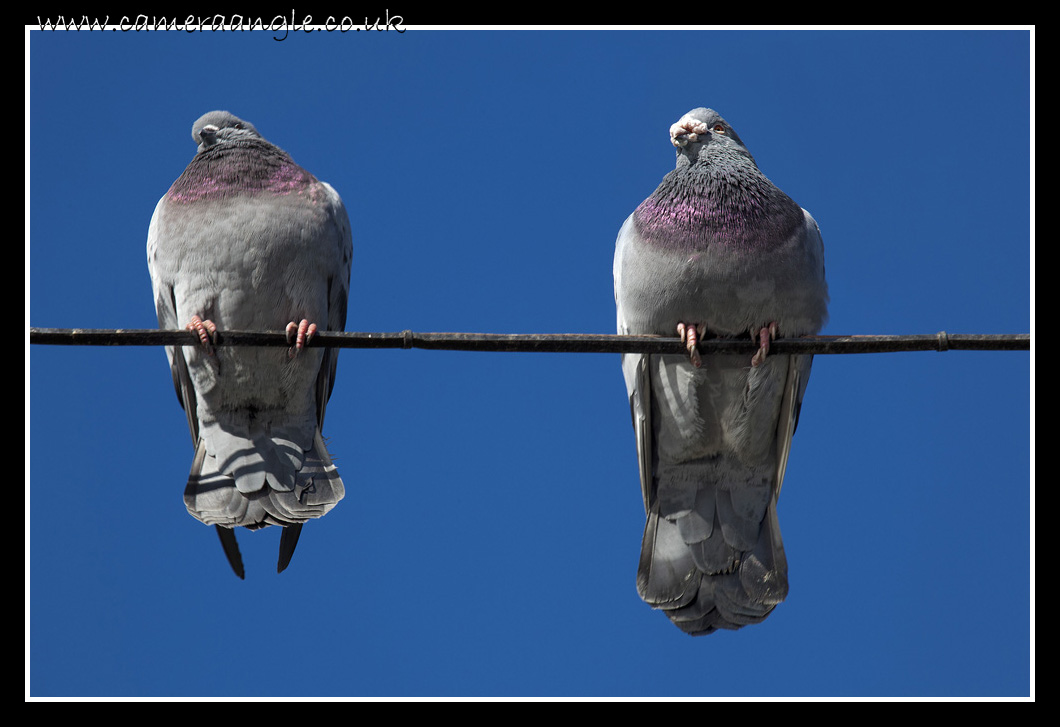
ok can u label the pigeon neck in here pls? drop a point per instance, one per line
(721, 201)
(249, 166)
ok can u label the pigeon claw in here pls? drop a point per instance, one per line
(299, 334)
(690, 337)
(206, 330)
(764, 335)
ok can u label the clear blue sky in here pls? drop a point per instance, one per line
(488, 542)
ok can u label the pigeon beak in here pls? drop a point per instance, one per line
(208, 136)
(688, 130)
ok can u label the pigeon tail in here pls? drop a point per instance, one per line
(251, 496)
(706, 574)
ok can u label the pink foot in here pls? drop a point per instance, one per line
(299, 334)
(690, 337)
(764, 336)
(206, 331)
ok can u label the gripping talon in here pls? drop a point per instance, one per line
(764, 335)
(690, 337)
(299, 334)
(206, 330)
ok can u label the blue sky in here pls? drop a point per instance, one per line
(488, 542)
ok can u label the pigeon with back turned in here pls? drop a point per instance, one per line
(717, 250)
(245, 239)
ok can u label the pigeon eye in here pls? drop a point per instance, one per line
(719, 128)
(237, 126)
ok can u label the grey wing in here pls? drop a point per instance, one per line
(166, 307)
(790, 406)
(799, 368)
(807, 290)
(159, 251)
(816, 309)
(635, 370)
(338, 294)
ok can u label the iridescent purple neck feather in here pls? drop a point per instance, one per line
(723, 199)
(243, 167)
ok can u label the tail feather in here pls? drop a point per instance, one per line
(739, 530)
(667, 576)
(764, 571)
(734, 605)
(699, 523)
(728, 575)
(251, 450)
(231, 549)
(217, 495)
(288, 542)
(718, 605)
(713, 555)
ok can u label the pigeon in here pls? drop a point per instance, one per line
(717, 250)
(245, 239)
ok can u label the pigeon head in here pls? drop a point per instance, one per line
(218, 127)
(716, 194)
(702, 134)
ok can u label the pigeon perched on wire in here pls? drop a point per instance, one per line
(717, 250)
(246, 239)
